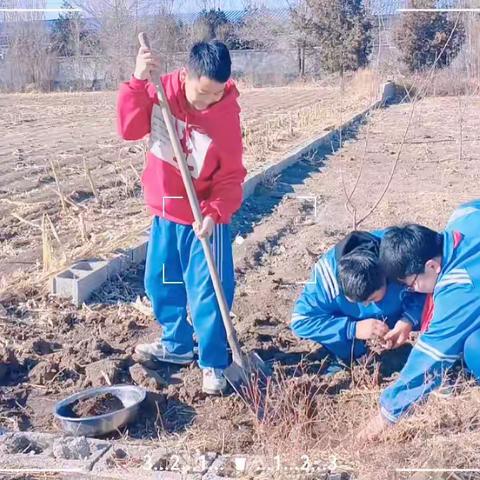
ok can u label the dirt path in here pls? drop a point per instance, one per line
(291, 221)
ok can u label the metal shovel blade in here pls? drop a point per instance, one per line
(250, 380)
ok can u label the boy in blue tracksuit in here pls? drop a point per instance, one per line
(348, 301)
(446, 265)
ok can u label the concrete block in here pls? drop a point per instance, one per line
(32, 452)
(91, 275)
(389, 92)
(119, 263)
(63, 284)
(138, 252)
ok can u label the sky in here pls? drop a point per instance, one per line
(196, 5)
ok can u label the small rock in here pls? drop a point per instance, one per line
(97, 371)
(239, 240)
(92, 317)
(7, 356)
(116, 454)
(146, 378)
(43, 372)
(74, 448)
(69, 383)
(259, 318)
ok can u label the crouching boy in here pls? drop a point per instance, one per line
(348, 300)
(447, 266)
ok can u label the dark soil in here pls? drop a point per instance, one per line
(99, 405)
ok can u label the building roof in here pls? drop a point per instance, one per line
(236, 16)
(391, 7)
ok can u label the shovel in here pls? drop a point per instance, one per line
(248, 374)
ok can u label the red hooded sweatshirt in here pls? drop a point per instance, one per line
(211, 140)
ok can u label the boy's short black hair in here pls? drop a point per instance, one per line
(405, 250)
(211, 60)
(359, 274)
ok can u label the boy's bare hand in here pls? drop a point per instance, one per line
(398, 335)
(145, 63)
(369, 328)
(206, 229)
(373, 429)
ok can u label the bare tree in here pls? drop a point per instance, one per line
(168, 35)
(261, 29)
(29, 62)
(470, 53)
(118, 23)
(302, 26)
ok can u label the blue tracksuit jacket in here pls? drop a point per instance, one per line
(323, 314)
(456, 315)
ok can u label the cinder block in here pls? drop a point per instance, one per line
(138, 251)
(91, 275)
(389, 92)
(63, 284)
(38, 454)
(119, 263)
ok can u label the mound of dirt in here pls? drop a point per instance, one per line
(102, 346)
(98, 372)
(147, 378)
(43, 372)
(99, 405)
(42, 347)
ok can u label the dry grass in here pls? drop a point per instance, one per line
(447, 82)
(310, 425)
(266, 139)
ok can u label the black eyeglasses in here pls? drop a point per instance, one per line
(411, 286)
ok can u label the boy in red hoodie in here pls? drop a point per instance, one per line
(203, 101)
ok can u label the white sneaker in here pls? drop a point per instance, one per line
(214, 382)
(157, 351)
